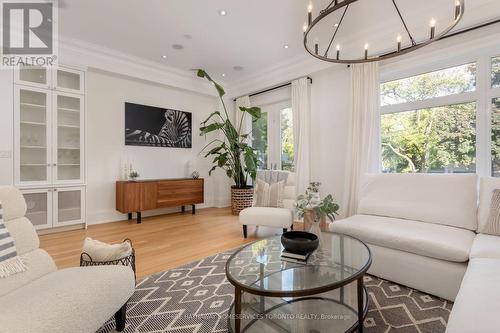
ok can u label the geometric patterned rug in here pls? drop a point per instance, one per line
(195, 298)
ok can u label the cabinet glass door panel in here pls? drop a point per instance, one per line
(32, 124)
(30, 75)
(69, 80)
(69, 205)
(39, 204)
(69, 137)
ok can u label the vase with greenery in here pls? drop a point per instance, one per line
(133, 175)
(232, 151)
(311, 203)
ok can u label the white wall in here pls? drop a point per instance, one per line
(330, 109)
(106, 97)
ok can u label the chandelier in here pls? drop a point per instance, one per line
(331, 50)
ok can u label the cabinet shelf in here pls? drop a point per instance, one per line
(33, 147)
(33, 123)
(68, 148)
(33, 165)
(68, 110)
(69, 164)
(68, 126)
(34, 105)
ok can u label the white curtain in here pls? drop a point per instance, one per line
(364, 130)
(301, 132)
(246, 121)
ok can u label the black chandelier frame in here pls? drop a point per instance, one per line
(337, 5)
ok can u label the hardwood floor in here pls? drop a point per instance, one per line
(160, 242)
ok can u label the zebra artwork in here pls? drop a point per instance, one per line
(157, 127)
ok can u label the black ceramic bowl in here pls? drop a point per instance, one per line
(299, 242)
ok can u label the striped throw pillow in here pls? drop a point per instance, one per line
(10, 262)
(492, 227)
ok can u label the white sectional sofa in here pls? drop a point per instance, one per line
(424, 231)
(43, 299)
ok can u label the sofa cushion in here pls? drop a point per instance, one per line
(477, 303)
(425, 239)
(24, 234)
(69, 300)
(449, 199)
(266, 216)
(38, 264)
(485, 246)
(486, 187)
(13, 203)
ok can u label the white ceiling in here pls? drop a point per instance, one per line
(251, 35)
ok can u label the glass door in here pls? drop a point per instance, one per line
(32, 136)
(39, 204)
(69, 206)
(69, 80)
(68, 138)
(32, 76)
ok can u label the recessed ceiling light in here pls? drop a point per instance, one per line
(164, 56)
(188, 36)
(177, 46)
(238, 68)
(286, 46)
(223, 74)
(222, 12)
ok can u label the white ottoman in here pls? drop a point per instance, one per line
(266, 216)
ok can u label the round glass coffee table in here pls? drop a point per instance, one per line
(324, 295)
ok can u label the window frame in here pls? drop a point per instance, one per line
(482, 96)
(274, 148)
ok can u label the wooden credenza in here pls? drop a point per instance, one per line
(142, 195)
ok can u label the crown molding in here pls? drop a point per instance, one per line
(296, 67)
(83, 54)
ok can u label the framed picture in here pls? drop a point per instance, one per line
(157, 127)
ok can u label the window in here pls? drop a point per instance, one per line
(495, 137)
(421, 131)
(259, 136)
(442, 121)
(287, 148)
(495, 72)
(272, 137)
(433, 140)
(445, 82)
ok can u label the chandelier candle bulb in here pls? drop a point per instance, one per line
(338, 51)
(457, 9)
(316, 48)
(304, 27)
(399, 43)
(309, 14)
(433, 28)
(366, 51)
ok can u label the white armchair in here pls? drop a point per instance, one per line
(271, 216)
(43, 299)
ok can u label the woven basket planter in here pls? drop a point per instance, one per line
(241, 198)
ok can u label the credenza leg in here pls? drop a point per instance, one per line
(194, 209)
(183, 209)
(139, 221)
(130, 216)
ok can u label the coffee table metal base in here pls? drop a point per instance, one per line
(304, 314)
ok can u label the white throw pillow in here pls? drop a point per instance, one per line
(268, 195)
(492, 226)
(100, 251)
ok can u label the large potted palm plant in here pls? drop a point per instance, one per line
(232, 150)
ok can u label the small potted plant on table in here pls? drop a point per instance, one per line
(315, 210)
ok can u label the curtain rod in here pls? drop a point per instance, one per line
(271, 89)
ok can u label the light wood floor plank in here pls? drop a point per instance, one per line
(161, 242)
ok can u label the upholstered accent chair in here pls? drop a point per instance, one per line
(273, 217)
(44, 299)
